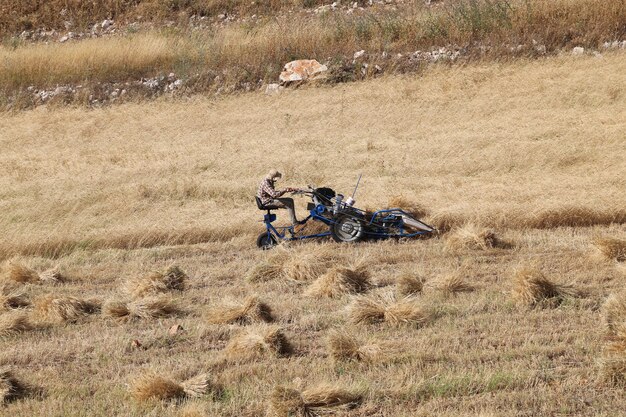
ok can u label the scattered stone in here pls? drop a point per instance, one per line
(135, 344)
(359, 54)
(175, 329)
(578, 50)
(302, 70)
(106, 23)
(273, 89)
(64, 39)
(323, 9)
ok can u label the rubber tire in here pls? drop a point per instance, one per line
(339, 235)
(266, 241)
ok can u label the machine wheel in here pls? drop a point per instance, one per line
(266, 241)
(347, 229)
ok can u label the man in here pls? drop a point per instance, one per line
(269, 195)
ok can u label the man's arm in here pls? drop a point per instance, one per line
(271, 191)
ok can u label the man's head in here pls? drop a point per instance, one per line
(273, 175)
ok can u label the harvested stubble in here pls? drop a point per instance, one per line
(52, 276)
(614, 312)
(531, 287)
(144, 308)
(408, 284)
(611, 248)
(617, 339)
(252, 310)
(11, 298)
(22, 274)
(411, 207)
(453, 284)
(404, 311)
(270, 268)
(324, 399)
(256, 343)
(172, 279)
(471, 236)
(338, 281)
(51, 308)
(11, 388)
(308, 266)
(152, 386)
(613, 369)
(345, 347)
(14, 323)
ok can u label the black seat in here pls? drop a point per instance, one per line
(262, 206)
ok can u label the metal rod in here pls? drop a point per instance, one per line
(357, 185)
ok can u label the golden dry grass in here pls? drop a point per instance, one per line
(339, 281)
(453, 283)
(12, 297)
(613, 370)
(11, 387)
(536, 136)
(386, 309)
(143, 308)
(172, 279)
(59, 309)
(22, 274)
(152, 386)
(253, 310)
(322, 399)
(417, 210)
(614, 312)
(409, 284)
(14, 323)
(344, 346)
(531, 287)
(611, 248)
(310, 264)
(269, 268)
(257, 343)
(471, 236)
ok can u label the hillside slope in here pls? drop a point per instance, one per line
(529, 152)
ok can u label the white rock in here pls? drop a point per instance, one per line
(359, 54)
(64, 39)
(579, 50)
(355, 5)
(106, 23)
(273, 89)
(323, 9)
(302, 70)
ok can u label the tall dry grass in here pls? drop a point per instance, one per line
(242, 54)
(18, 15)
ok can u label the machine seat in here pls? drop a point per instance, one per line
(264, 207)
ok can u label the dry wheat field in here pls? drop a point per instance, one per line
(131, 285)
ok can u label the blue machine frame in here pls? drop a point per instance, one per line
(387, 215)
